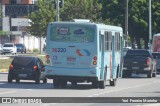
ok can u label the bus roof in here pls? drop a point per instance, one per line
(99, 25)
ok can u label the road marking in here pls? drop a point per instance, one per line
(7, 92)
(121, 89)
(49, 104)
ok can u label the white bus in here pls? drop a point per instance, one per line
(83, 52)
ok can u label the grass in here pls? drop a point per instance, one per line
(5, 63)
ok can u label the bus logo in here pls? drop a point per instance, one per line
(83, 52)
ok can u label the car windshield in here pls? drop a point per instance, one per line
(24, 61)
(8, 45)
(156, 55)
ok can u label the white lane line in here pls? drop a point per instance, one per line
(121, 89)
(7, 92)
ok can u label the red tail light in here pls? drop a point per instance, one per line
(11, 67)
(35, 67)
(148, 61)
(95, 58)
(47, 56)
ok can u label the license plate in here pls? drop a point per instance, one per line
(135, 68)
(22, 75)
(71, 59)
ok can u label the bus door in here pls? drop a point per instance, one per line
(102, 49)
(113, 71)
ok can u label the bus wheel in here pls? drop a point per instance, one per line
(95, 84)
(74, 83)
(112, 82)
(56, 83)
(102, 84)
(63, 84)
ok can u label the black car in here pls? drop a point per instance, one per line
(26, 68)
(21, 48)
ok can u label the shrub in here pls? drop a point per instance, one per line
(35, 50)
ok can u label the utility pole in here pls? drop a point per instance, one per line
(126, 23)
(150, 26)
(57, 9)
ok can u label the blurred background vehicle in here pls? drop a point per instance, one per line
(1, 48)
(156, 56)
(139, 61)
(27, 68)
(9, 48)
(21, 48)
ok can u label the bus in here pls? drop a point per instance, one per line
(156, 43)
(80, 51)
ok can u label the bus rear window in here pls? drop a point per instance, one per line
(72, 33)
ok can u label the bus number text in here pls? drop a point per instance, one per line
(58, 49)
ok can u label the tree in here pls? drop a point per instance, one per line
(42, 17)
(81, 9)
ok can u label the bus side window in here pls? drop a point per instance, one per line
(108, 40)
(117, 41)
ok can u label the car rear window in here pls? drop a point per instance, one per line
(19, 45)
(156, 55)
(23, 61)
(138, 53)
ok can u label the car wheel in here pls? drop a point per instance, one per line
(149, 74)
(37, 79)
(154, 74)
(45, 80)
(17, 80)
(9, 79)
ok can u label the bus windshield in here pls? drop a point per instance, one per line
(72, 33)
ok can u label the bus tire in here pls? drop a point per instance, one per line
(74, 83)
(56, 83)
(95, 84)
(45, 80)
(63, 83)
(112, 82)
(102, 84)
(117, 74)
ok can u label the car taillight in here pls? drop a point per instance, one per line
(35, 68)
(148, 61)
(94, 60)
(11, 67)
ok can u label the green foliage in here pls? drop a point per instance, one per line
(106, 11)
(81, 9)
(35, 50)
(42, 17)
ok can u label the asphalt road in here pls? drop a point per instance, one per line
(137, 86)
